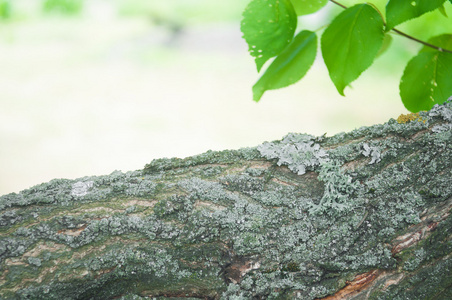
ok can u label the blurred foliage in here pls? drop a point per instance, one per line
(65, 7)
(187, 11)
(182, 11)
(200, 11)
(5, 9)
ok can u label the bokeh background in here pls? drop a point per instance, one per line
(89, 87)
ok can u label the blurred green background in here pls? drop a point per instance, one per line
(88, 87)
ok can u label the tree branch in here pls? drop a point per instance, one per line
(364, 214)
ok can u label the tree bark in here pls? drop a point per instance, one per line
(359, 215)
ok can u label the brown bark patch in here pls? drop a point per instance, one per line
(73, 232)
(135, 202)
(239, 267)
(423, 229)
(360, 283)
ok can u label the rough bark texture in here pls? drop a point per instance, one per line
(362, 215)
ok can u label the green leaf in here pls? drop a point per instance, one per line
(427, 79)
(268, 27)
(306, 7)
(351, 43)
(399, 11)
(387, 40)
(289, 66)
(442, 10)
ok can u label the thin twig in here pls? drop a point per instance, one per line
(404, 34)
(419, 41)
(337, 3)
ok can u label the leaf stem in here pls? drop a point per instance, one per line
(420, 41)
(337, 3)
(404, 34)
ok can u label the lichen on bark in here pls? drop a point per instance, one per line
(364, 214)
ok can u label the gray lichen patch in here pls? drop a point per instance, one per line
(372, 152)
(81, 188)
(338, 190)
(206, 190)
(445, 112)
(298, 151)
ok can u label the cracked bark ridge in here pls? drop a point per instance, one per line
(359, 215)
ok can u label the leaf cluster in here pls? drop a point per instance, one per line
(349, 46)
